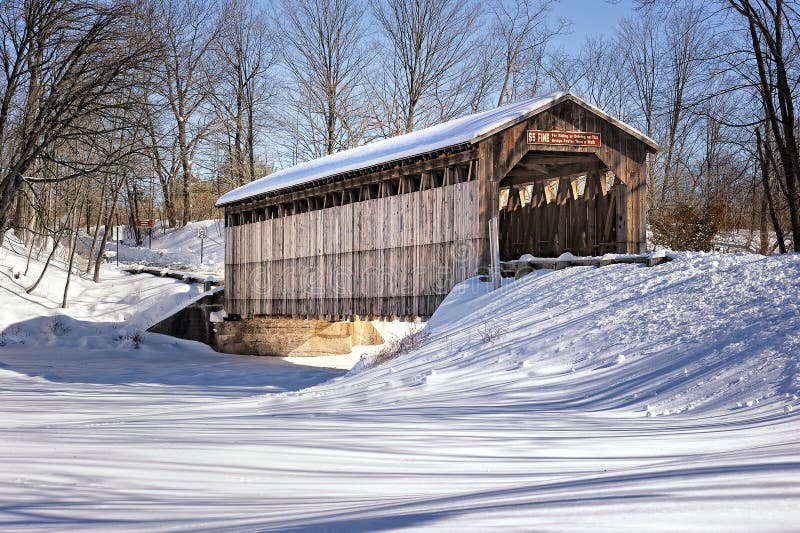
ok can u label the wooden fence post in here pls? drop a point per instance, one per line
(494, 244)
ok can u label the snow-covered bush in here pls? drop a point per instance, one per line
(136, 339)
(396, 348)
(391, 350)
(489, 332)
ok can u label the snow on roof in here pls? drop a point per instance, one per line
(451, 133)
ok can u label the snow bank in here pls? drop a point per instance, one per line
(111, 312)
(177, 248)
(704, 333)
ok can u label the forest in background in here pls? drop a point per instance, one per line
(112, 111)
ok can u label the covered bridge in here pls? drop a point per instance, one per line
(387, 229)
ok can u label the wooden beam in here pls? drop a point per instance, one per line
(532, 166)
(514, 202)
(573, 182)
(520, 176)
(425, 181)
(561, 169)
(523, 177)
(559, 158)
(621, 192)
(564, 191)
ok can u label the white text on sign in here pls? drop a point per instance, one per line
(564, 138)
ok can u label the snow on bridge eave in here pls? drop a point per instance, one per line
(469, 129)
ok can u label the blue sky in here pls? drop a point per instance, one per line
(589, 17)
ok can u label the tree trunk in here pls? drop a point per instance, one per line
(251, 161)
(8, 190)
(98, 259)
(186, 167)
(108, 223)
(765, 181)
(32, 288)
(782, 126)
(763, 233)
(100, 210)
(74, 247)
(132, 192)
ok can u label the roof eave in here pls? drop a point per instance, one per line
(522, 118)
(630, 130)
(653, 145)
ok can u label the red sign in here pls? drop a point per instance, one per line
(145, 223)
(563, 138)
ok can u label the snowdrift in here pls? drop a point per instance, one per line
(705, 332)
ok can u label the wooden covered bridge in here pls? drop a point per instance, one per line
(387, 229)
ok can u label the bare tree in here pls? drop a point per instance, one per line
(522, 31)
(560, 71)
(61, 60)
(427, 41)
(773, 41)
(686, 47)
(100, 201)
(325, 55)
(72, 237)
(164, 156)
(187, 30)
(768, 173)
(58, 202)
(639, 41)
(602, 78)
(245, 53)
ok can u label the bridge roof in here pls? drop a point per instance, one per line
(469, 129)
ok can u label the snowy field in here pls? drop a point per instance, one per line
(616, 399)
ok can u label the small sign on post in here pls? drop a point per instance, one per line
(202, 235)
(147, 223)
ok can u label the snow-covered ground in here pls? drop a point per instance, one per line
(524, 409)
(175, 247)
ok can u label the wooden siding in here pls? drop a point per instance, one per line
(398, 255)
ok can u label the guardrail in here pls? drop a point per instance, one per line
(519, 268)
